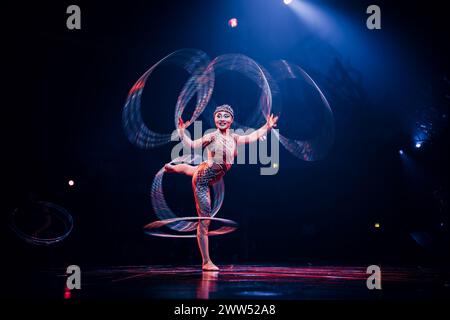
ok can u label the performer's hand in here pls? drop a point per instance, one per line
(182, 125)
(272, 121)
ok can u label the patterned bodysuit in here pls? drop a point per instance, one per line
(221, 153)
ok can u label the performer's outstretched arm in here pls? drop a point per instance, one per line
(255, 135)
(197, 143)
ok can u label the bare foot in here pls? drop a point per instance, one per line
(210, 267)
(169, 167)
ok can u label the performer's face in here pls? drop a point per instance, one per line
(223, 120)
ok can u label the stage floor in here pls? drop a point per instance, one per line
(239, 282)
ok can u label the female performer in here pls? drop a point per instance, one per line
(222, 148)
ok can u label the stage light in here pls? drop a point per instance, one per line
(67, 293)
(71, 183)
(400, 152)
(233, 22)
(418, 145)
(377, 225)
(287, 1)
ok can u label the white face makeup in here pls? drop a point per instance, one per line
(223, 120)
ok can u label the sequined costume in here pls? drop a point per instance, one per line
(221, 155)
(202, 179)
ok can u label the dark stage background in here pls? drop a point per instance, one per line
(63, 121)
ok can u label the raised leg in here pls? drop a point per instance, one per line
(180, 168)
